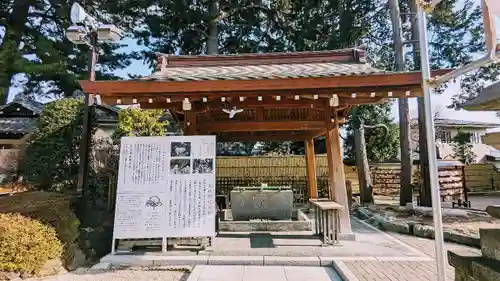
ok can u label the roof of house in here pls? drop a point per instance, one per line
(106, 114)
(487, 99)
(262, 66)
(17, 125)
(34, 106)
(445, 122)
(16, 121)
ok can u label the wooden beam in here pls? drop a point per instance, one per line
(244, 126)
(203, 106)
(155, 101)
(270, 137)
(268, 102)
(259, 114)
(316, 134)
(338, 192)
(186, 88)
(312, 183)
(12, 141)
(190, 124)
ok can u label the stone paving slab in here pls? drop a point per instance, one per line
(396, 271)
(369, 242)
(263, 273)
(399, 258)
(382, 269)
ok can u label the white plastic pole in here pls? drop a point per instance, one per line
(431, 145)
(463, 70)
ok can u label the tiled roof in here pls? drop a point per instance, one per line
(17, 125)
(33, 106)
(487, 99)
(270, 71)
(262, 66)
(444, 122)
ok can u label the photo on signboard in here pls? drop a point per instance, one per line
(180, 149)
(180, 166)
(203, 166)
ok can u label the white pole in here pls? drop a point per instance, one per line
(431, 145)
(463, 70)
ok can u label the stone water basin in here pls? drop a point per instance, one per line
(259, 202)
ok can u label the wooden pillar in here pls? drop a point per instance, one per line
(338, 190)
(190, 123)
(312, 184)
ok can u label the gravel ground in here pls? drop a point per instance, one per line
(469, 225)
(118, 275)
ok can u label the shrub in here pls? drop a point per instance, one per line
(55, 144)
(26, 244)
(139, 122)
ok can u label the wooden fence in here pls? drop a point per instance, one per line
(291, 170)
(482, 177)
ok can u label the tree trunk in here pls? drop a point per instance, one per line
(14, 30)
(213, 31)
(425, 180)
(405, 192)
(425, 188)
(364, 177)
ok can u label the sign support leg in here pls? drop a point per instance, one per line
(113, 246)
(164, 244)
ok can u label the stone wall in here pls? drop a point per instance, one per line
(481, 265)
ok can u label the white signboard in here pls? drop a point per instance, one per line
(166, 187)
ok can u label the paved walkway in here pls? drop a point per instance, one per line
(263, 273)
(375, 256)
(370, 242)
(370, 270)
(352, 268)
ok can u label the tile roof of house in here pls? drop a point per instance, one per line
(33, 106)
(487, 99)
(17, 125)
(262, 66)
(444, 122)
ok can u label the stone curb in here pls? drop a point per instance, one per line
(484, 193)
(343, 271)
(414, 229)
(101, 266)
(110, 261)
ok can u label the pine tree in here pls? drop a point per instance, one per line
(34, 49)
(462, 147)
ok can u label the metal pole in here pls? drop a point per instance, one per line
(87, 122)
(431, 146)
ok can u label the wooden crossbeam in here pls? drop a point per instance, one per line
(203, 106)
(242, 126)
(269, 137)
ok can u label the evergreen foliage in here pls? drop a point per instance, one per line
(462, 147)
(52, 158)
(378, 148)
(140, 123)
